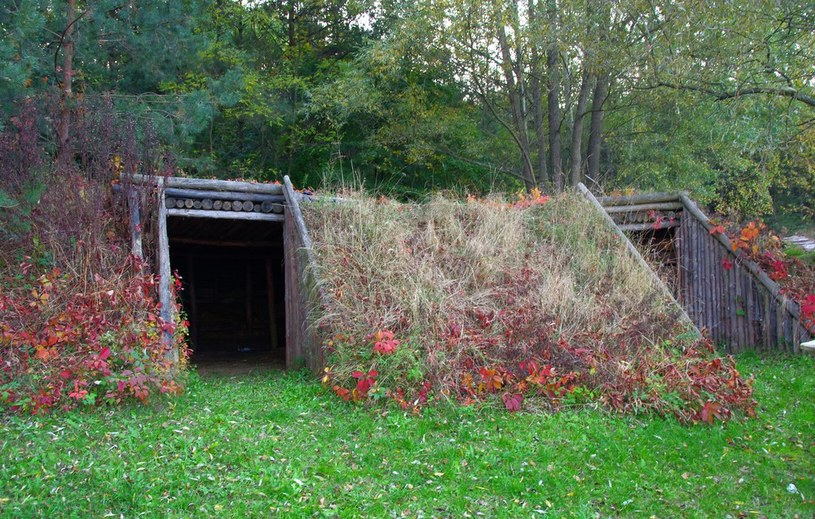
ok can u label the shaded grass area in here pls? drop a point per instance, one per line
(266, 444)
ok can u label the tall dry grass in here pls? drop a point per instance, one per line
(410, 268)
(465, 285)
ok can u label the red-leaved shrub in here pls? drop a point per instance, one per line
(60, 347)
(80, 321)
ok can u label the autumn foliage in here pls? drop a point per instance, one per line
(532, 305)
(60, 347)
(80, 319)
(755, 241)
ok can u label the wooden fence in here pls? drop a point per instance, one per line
(723, 292)
(741, 307)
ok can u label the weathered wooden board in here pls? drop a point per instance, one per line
(224, 214)
(730, 295)
(304, 295)
(212, 185)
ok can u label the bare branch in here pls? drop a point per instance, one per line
(721, 95)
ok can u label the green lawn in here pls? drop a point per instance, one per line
(279, 443)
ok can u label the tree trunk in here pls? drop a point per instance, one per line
(553, 99)
(596, 128)
(577, 128)
(518, 116)
(66, 94)
(537, 102)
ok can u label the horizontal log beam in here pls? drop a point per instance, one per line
(225, 205)
(213, 185)
(226, 215)
(644, 198)
(635, 227)
(659, 206)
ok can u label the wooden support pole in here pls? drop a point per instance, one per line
(291, 288)
(135, 223)
(637, 256)
(164, 290)
(707, 284)
(693, 272)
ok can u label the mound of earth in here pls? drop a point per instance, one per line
(534, 304)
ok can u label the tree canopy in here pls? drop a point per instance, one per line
(407, 96)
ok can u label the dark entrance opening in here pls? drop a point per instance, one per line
(658, 246)
(233, 291)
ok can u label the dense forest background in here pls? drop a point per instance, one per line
(407, 96)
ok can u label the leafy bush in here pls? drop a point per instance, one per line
(536, 304)
(79, 315)
(60, 347)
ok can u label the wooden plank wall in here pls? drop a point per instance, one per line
(736, 308)
(303, 343)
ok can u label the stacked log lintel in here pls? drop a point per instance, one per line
(176, 198)
(650, 211)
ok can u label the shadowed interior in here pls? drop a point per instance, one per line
(233, 290)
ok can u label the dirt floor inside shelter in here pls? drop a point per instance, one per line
(230, 363)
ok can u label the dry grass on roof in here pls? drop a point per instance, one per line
(473, 298)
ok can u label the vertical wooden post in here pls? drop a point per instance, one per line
(693, 273)
(291, 290)
(270, 298)
(135, 223)
(766, 322)
(705, 281)
(679, 249)
(165, 294)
